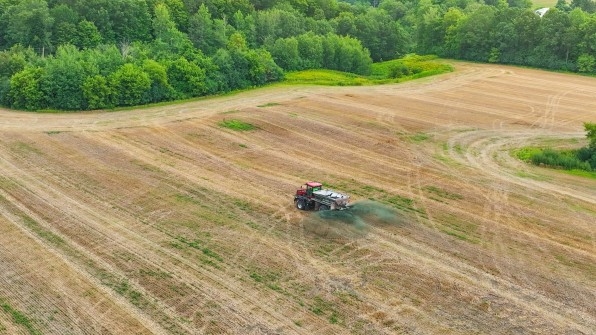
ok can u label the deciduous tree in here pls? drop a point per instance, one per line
(97, 92)
(29, 23)
(129, 84)
(591, 134)
(160, 89)
(63, 77)
(26, 90)
(187, 78)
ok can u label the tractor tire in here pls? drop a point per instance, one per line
(323, 208)
(300, 204)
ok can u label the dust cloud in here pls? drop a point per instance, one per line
(354, 222)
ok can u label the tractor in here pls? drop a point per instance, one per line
(312, 196)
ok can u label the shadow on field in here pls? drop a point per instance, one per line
(354, 222)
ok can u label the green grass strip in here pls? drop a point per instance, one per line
(19, 318)
(237, 125)
(407, 68)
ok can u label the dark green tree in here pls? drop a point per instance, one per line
(586, 63)
(223, 9)
(187, 78)
(319, 27)
(588, 6)
(204, 33)
(169, 43)
(345, 54)
(524, 4)
(63, 77)
(584, 32)
(345, 23)
(178, 13)
(5, 92)
(263, 4)
(117, 20)
(131, 21)
(160, 89)
(98, 12)
(430, 34)
(129, 84)
(278, 23)
(285, 53)
(261, 67)
(563, 6)
(310, 47)
(554, 49)
(65, 24)
(472, 34)
(64, 33)
(385, 38)
(242, 67)
(29, 23)
(26, 90)
(227, 78)
(524, 34)
(396, 9)
(11, 62)
(87, 35)
(246, 25)
(452, 20)
(97, 92)
(105, 58)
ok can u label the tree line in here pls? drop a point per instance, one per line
(89, 54)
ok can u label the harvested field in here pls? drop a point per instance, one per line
(161, 221)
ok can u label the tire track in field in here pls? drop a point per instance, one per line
(179, 174)
(64, 259)
(500, 141)
(110, 227)
(39, 191)
(79, 209)
(67, 295)
(481, 148)
(487, 151)
(189, 173)
(467, 275)
(193, 178)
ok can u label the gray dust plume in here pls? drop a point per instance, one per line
(353, 222)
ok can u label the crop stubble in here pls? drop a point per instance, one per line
(160, 221)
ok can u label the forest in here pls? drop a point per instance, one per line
(98, 54)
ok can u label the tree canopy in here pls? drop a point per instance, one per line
(78, 54)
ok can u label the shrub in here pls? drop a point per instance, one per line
(26, 89)
(584, 154)
(398, 70)
(567, 160)
(129, 84)
(592, 162)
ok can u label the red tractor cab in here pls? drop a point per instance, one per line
(308, 188)
(304, 196)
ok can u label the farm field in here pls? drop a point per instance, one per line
(161, 221)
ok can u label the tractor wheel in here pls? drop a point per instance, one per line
(300, 204)
(323, 208)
